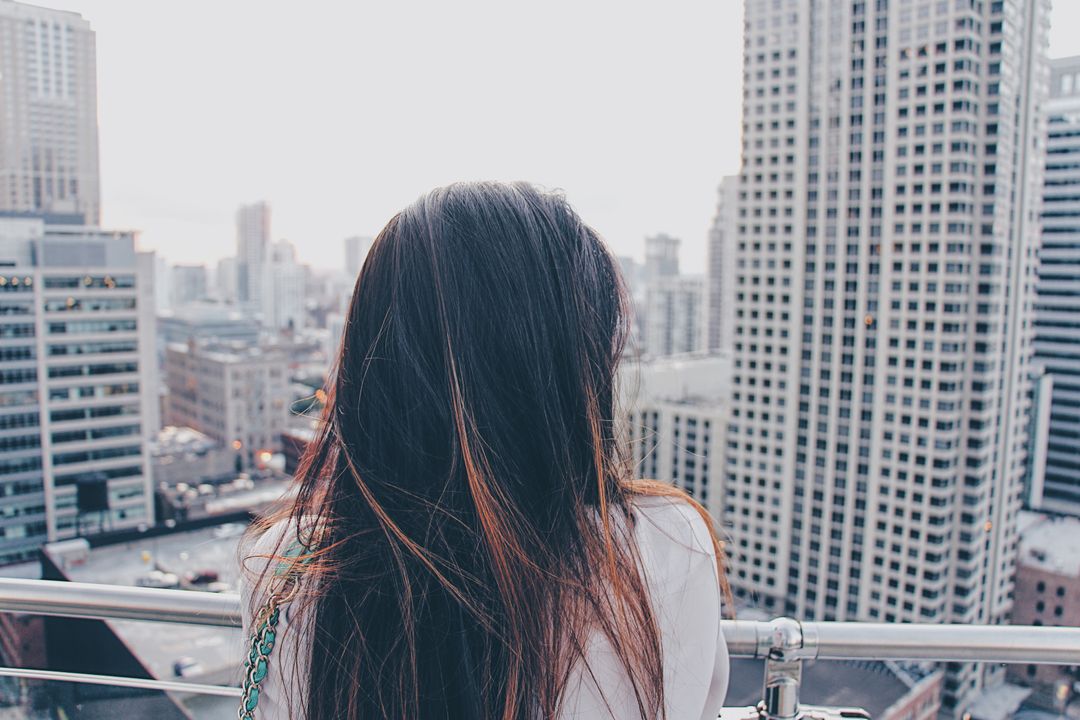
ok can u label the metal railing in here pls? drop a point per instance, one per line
(783, 643)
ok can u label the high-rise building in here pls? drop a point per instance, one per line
(356, 249)
(225, 278)
(670, 308)
(661, 256)
(187, 284)
(283, 309)
(720, 280)
(887, 221)
(79, 383)
(252, 251)
(48, 130)
(1054, 482)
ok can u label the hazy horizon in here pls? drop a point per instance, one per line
(340, 116)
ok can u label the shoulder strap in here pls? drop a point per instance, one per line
(281, 589)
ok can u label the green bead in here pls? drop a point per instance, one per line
(260, 671)
(252, 699)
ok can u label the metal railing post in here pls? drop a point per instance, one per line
(783, 646)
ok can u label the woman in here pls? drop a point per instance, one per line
(466, 540)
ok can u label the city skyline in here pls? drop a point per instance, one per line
(646, 156)
(860, 366)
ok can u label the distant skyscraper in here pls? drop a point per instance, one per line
(252, 250)
(886, 231)
(188, 284)
(674, 315)
(670, 307)
(79, 376)
(720, 281)
(661, 257)
(1055, 480)
(283, 307)
(225, 279)
(48, 101)
(356, 249)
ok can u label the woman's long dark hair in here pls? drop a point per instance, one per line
(466, 500)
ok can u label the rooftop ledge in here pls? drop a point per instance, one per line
(783, 643)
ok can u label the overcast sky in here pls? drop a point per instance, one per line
(339, 114)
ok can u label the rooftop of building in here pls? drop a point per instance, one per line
(172, 440)
(1050, 543)
(22, 571)
(700, 379)
(229, 352)
(11, 7)
(999, 702)
(181, 553)
(1069, 61)
(205, 312)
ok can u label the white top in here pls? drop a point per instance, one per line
(680, 569)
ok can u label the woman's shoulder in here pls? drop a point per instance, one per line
(260, 544)
(262, 552)
(672, 521)
(263, 548)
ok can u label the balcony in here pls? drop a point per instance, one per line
(783, 644)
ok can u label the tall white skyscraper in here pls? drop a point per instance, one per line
(887, 220)
(283, 307)
(720, 281)
(252, 251)
(1055, 467)
(79, 373)
(48, 113)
